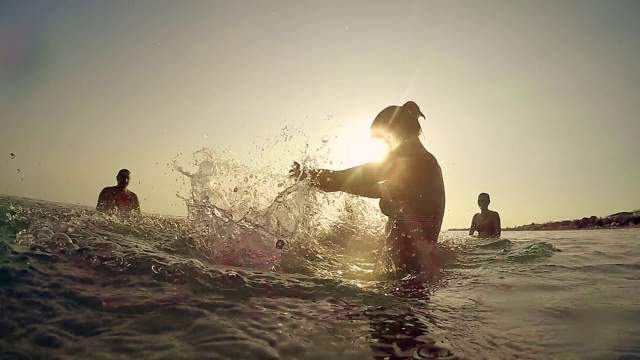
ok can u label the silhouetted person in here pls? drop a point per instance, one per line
(408, 183)
(118, 198)
(486, 222)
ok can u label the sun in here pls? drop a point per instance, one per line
(354, 146)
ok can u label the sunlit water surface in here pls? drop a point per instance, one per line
(77, 284)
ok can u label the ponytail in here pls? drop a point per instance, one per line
(402, 121)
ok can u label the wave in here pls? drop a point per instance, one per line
(532, 252)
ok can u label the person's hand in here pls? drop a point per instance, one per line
(296, 171)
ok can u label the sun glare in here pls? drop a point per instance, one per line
(354, 146)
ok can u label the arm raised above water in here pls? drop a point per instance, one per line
(360, 180)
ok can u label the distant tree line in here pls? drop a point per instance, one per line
(612, 221)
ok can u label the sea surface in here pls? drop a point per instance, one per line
(77, 284)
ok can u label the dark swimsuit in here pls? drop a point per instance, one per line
(487, 230)
(411, 238)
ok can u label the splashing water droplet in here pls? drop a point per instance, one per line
(236, 217)
(12, 155)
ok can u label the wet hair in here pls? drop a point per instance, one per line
(124, 172)
(402, 121)
(485, 195)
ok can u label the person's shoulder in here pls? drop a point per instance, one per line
(421, 156)
(107, 189)
(495, 213)
(429, 158)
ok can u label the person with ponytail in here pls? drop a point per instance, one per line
(408, 183)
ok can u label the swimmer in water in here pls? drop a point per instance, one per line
(118, 198)
(408, 183)
(486, 222)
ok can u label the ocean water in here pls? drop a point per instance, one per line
(76, 284)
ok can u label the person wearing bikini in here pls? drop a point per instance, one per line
(118, 198)
(486, 222)
(408, 183)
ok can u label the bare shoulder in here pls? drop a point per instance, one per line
(107, 189)
(424, 161)
(428, 157)
(495, 214)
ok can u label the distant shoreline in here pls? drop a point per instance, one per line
(567, 229)
(621, 220)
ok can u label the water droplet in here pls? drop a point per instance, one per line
(12, 155)
(18, 170)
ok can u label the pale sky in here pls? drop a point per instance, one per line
(534, 102)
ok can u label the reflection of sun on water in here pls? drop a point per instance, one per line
(354, 146)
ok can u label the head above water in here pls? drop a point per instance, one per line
(484, 200)
(398, 122)
(123, 178)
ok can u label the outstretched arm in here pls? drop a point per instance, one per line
(497, 225)
(360, 180)
(373, 191)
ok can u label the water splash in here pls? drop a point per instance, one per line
(238, 212)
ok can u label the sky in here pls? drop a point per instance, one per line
(534, 102)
